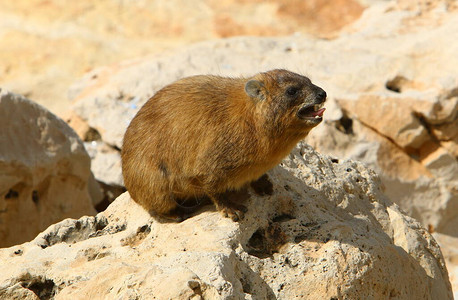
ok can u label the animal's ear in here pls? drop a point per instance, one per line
(255, 89)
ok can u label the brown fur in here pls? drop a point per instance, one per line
(205, 135)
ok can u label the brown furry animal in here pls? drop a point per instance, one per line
(206, 135)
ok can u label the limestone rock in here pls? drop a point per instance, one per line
(392, 117)
(327, 232)
(45, 171)
(81, 127)
(106, 166)
(442, 164)
(425, 189)
(393, 133)
(450, 252)
(106, 162)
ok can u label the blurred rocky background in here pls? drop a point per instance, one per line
(47, 45)
(390, 69)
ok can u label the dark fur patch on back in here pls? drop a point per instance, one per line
(163, 168)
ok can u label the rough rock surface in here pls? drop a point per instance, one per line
(448, 245)
(327, 232)
(105, 160)
(105, 164)
(45, 171)
(392, 134)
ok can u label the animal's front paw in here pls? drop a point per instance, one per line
(234, 211)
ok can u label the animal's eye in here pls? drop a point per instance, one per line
(292, 91)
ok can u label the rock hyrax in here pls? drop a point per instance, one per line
(208, 135)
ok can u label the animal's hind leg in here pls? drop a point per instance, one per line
(188, 206)
(225, 204)
(166, 208)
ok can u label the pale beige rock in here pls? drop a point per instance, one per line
(451, 146)
(106, 167)
(326, 232)
(450, 252)
(80, 126)
(446, 132)
(390, 116)
(442, 164)
(44, 170)
(444, 122)
(441, 111)
(420, 172)
(105, 163)
(426, 192)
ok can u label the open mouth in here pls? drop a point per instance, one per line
(311, 112)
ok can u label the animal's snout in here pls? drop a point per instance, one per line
(321, 95)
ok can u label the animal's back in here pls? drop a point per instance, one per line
(185, 135)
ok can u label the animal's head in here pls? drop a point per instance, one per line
(290, 103)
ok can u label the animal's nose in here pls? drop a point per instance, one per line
(321, 95)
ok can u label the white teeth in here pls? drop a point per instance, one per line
(317, 116)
